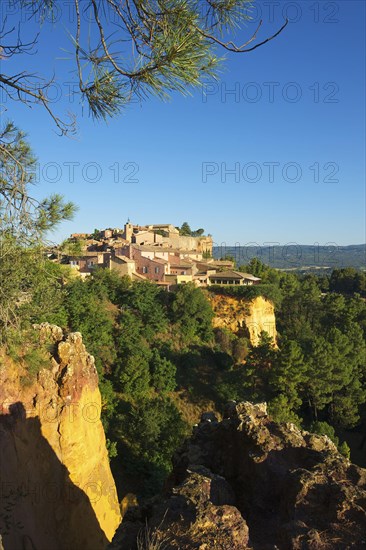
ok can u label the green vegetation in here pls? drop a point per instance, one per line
(35, 360)
(137, 332)
(29, 353)
(317, 373)
(267, 290)
(96, 235)
(323, 428)
(72, 247)
(348, 281)
(228, 258)
(27, 281)
(148, 432)
(152, 347)
(185, 230)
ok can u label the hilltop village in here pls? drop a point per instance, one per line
(159, 253)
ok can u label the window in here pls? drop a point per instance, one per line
(157, 270)
(144, 269)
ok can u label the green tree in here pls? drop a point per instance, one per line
(72, 247)
(88, 314)
(348, 280)
(109, 285)
(256, 267)
(162, 373)
(151, 429)
(192, 315)
(22, 216)
(185, 230)
(258, 369)
(198, 232)
(323, 428)
(47, 296)
(156, 426)
(224, 339)
(319, 384)
(289, 283)
(146, 299)
(282, 411)
(299, 315)
(131, 372)
(345, 450)
(240, 349)
(289, 373)
(24, 222)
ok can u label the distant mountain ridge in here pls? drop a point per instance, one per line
(298, 256)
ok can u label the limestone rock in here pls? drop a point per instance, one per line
(58, 492)
(249, 483)
(199, 513)
(239, 314)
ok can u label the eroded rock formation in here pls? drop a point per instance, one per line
(248, 316)
(247, 482)
(57, 490)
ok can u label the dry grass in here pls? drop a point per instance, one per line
(152, 539)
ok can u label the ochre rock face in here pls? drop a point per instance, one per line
(57, 490)
(236, 314)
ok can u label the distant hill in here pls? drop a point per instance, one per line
(298, 256)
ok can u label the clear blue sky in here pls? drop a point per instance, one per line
(292, 135)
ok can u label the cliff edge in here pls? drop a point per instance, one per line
(57, 490)
(240, 314)
(249, 483)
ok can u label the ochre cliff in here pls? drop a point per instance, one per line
(249, 483)
(243, 315)
(57, 490)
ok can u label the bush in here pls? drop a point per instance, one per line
(111, 448)
(266, 290)
(35, 360)
(280, 410)
(192, 314)
(323, 428)
(345, 450)
(162, 373)
(151, 430)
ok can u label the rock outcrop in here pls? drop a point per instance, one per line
(57, 490)
(249, 483)
(243, 315)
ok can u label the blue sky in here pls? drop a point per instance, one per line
(274, 152)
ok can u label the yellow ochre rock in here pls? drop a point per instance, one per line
(57, 489)
(240, 314)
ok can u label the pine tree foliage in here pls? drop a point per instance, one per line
(24, 222)
(130, 49)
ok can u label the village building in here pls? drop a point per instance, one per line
(86, 262)
(233, 278)
(156, 253)
(119, 263)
